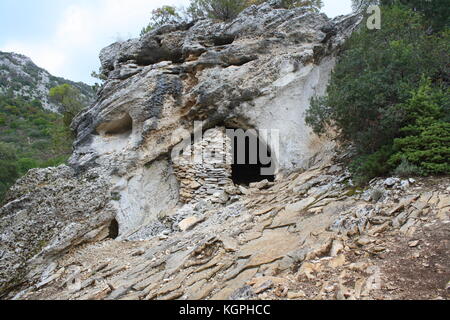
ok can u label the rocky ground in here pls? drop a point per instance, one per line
(311, 235)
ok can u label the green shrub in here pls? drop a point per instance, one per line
(406, 169)
(216, 9)
(31, 136)
(69, 98)
(428, 149)
(229, 9)
(9, 171)
(26, 164)
(162, 16)
(313, 5)
(426, 137)
(377, 194)
(377, 71)
(388, 96)
(436, 12)
(365, 168)
(223, 10)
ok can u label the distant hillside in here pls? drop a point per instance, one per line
(32, 129)
(20, 77)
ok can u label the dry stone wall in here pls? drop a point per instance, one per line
(204, 170)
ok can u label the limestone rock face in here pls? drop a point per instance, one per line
(256, 72)
(50, 210)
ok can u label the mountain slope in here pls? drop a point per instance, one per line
(32, 130)
(20, 77)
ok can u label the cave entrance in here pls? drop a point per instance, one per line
(252, 158)
(113, 229)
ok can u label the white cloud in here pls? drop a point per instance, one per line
(75, 27)
(83, 30)
(335, 8)
(101, 20)
(48, 57)
(85, 27)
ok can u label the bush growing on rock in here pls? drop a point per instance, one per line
(229, 9)
(224, 10)
(377, 194)
(162, 16)
(406, 169)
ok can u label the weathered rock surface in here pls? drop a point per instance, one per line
(239, 253)
(49, 211)
(256, 72)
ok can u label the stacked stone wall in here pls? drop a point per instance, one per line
(204, 169)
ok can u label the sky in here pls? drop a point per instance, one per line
(66, 36)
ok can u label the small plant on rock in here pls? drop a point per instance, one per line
(377, 194)
(406, 169)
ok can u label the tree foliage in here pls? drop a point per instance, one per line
(377, 95)
(216, 9)
(425, 140)
(436, 12)
(161, 16)
(229, 9)
(313, 5)
(31, 137)
(9, 170)
(68, 97)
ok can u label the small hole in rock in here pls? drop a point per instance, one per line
(114, 229)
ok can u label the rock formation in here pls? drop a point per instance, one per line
(306, 236)
(181, 224)
(20, 77)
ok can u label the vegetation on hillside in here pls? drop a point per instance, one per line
(162, 16)
(223, 10)
(9, 170)
(19, 76)
(389, 94)
(435, 12)
(68, 98)
(31, 137)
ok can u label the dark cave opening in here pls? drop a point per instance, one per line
(253, 150)
(223, 40)
(113, 229)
